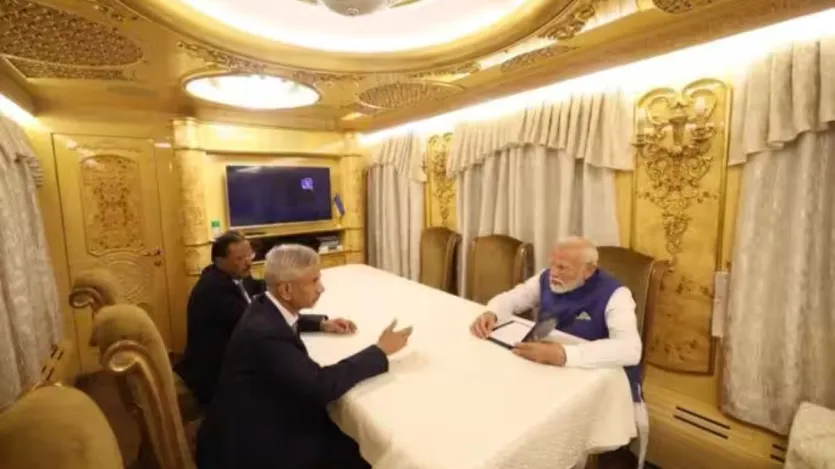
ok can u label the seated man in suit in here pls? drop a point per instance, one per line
(586, 302)
(216, 303)
(269, 410)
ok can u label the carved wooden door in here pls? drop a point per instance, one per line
(110, 203)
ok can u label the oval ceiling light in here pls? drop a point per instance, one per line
(328, 25)
(354, 7)
(258, 92)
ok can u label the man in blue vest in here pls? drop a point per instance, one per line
(585, 302)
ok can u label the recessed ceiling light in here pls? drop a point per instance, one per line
(246, 91)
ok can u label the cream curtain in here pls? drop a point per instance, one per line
(30, 321)
(395, 206)
(544, 172)
(780, 329)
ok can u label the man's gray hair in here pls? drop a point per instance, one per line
(588, 249)
(287, 262)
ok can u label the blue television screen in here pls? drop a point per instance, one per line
(266, 195)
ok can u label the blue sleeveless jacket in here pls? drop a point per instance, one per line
(582, 313)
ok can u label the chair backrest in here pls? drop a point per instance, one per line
(56, 427)
(95, 288)
(133, 350)
(495, 264)
(439, 258)
(640, 273)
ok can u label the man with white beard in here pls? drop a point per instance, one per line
(585, 302)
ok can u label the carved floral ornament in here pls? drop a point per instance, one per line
(674, 135)
(442, 187)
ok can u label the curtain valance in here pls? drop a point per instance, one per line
(782, 95)
(404, 153)
(594, 127)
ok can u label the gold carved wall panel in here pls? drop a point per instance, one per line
(111, 203)
(190, 166)
(353, 186)
(440, 190)
(677, 213)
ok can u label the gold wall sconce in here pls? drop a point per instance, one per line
(674, 134)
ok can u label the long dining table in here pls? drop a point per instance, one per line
(452, 401)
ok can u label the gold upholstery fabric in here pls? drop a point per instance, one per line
(640, 273)
(133, 350)
(439, 258)
(495, 264)
(57, 428)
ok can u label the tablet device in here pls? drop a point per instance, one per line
(511, 333)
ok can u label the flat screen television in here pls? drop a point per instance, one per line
(269, 195)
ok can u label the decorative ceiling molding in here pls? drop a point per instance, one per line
(399, 95)
(667, 33)
(179, 18)
(680, 6)
(534, 57)
(568, 25)
(320, 80)
(39, 70)
(110, 9)
(36, 32)
(360, 108)
(224, 60)
(466, 68)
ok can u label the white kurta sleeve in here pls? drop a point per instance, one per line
(520, 299)
(622, 348)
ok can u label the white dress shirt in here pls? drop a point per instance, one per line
(288, 316)
(622, 348)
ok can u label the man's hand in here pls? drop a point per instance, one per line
(548, 353)
(392, 341)
(483, 325)
(338, 326)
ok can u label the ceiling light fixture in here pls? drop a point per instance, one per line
(355, 7)
(257, 92)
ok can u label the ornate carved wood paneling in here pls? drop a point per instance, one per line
(440, 190)
(39, 70)
(110, 203)
(678, 209)
(38, 32)
(190, 165)
(399, 95)
(353, 196)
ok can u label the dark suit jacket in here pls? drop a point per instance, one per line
(269, 410)
(215, 306)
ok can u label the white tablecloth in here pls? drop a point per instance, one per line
(451, 401)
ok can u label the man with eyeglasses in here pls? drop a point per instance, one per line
(218, 300)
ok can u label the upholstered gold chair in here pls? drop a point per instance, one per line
(95, 288)
(640, 273)
(439, 258)
(57, 427)
(132, 349)
(496, 263)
